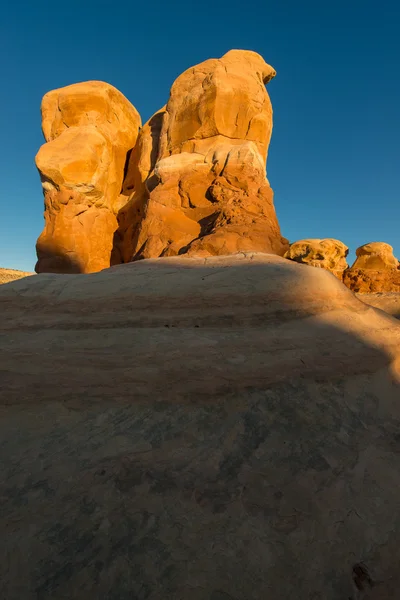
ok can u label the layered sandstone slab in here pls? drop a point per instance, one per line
(325, 253)
(201, 176)
(375, 270)
(89, 128)
(224, 427)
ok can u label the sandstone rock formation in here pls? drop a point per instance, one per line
(376, 256)
(7, 275)
(374, 270)
(387, 301)
(89, 129)
(195, 182)
(327, 254)
(213, 428)
(207, 192)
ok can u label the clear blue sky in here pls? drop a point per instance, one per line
(334, 160)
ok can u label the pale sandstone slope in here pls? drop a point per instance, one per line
(387, 301)
(197, 428)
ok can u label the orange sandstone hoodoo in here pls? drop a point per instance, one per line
(327, 254)
(89, 129)
(195, 182)
(375, 269)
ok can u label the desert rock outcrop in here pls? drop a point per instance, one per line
(203, 428)
(195, 182)
(376, 256)
(326, 254)
(375, 270)
(208, 193)
(89, 130)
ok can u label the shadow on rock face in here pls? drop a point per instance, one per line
(54, 258)
(58, 263)
(204, 429)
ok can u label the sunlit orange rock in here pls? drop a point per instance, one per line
(201, 170)
(326, 253)
(191, 181)
(89, 129)
(375, 269)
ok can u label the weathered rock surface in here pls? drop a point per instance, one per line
(138, 173)
(197, 174)
(89, 129)
(326, 253)
(194, 183)
(7, 275)
(375, 256)
(196, 428)
(375, 269)
(368, 281)
(389, 302)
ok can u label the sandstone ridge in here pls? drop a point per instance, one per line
(201, 421)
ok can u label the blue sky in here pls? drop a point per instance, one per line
(334, 160)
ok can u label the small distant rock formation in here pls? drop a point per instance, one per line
(375, 269)
(90, 129)
(376, 256)
(326, 253)
(7, 275)
(192, 182)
